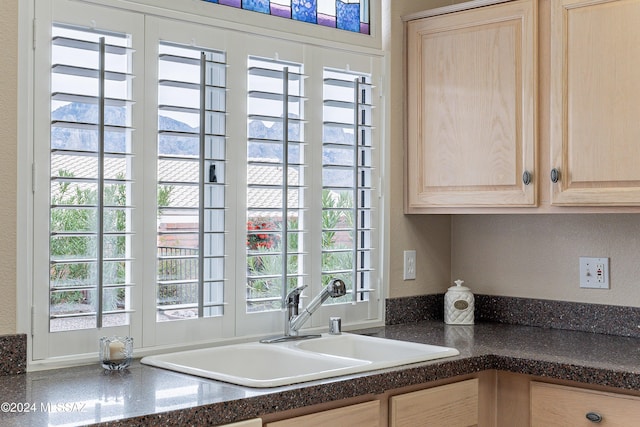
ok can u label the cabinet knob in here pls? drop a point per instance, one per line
(555, 175)
(594, 417)
(526, 177)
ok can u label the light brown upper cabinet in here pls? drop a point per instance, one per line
(471, 116)
(595, 102)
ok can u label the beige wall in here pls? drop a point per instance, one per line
(8, 162)
(429, 235)
(537, 255)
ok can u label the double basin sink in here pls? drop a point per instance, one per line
(291, 362)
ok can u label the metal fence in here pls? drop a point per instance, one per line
(177, 275)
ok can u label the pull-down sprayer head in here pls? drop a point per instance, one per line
(336, 288)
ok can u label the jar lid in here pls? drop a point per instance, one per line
(458, 287)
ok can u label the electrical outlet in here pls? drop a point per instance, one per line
(594, 273)
(409, 265)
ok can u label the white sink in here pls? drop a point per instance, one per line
(379, 351)
(271, 365)
(255, 364)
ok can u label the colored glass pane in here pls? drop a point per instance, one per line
(349, 15)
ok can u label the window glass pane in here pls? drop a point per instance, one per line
(275, 105)
(346, 180)
(191, 182)
(90, 191)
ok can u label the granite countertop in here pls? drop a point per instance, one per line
(143, 395)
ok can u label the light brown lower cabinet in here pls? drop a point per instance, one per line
(560, 406)
(462, 402)
(450, 405)
(485, 399)
(360, 415)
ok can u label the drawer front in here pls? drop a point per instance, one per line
(555, 405)
(361, 415)
(451, 405)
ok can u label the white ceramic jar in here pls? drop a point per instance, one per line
(458, 305)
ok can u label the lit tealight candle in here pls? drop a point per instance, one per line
(116, 350)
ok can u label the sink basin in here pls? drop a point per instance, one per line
(381, 351)
(255, 364)
(271, 365)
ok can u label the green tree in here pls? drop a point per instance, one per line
(337, 213)
(73, 211)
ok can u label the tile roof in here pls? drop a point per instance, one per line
(180, 171)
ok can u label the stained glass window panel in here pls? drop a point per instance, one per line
(349, 15)
(281, 8)
(257, 5)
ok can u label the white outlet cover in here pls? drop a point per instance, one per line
(590, 275)
(409, 268)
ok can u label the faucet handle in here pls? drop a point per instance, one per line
(294, 294)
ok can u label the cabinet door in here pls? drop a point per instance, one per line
(361, 415)
(560, 406)
(451, 405)
(471, 94)
(595, 102)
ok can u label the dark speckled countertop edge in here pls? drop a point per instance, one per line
(13, 354)
(334, 389)
(618, 372)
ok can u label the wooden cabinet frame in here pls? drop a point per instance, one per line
(472, 108)
(577, 191)
(594, 118)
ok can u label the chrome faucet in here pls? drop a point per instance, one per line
(294, 319)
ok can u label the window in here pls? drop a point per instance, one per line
(281, 184)
(190, 185)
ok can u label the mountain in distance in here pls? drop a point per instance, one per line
(86, 138)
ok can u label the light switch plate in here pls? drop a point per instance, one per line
(594, 273)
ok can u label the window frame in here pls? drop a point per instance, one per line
(229, 328)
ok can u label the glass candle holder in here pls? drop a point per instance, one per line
(116, 352)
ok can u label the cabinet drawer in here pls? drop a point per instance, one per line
(361, 415)
(451, 405)
(555, 405)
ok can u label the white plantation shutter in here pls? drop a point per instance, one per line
(191, 182)
(347, 181)
(91, 152)
(344, 182)
(275, 182)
